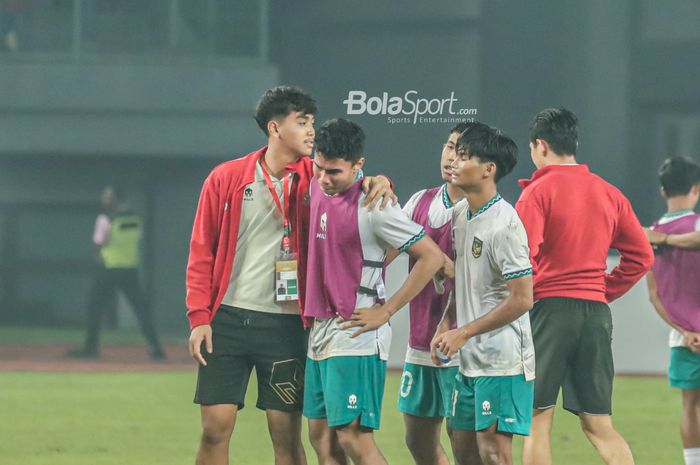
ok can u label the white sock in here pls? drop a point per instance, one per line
(692, 456)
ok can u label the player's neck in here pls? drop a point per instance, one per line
(454, 193)
(479, 198)
(277, 158)
(554, 159)
(678, 203)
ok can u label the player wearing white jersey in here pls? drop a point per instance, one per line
(494, 390)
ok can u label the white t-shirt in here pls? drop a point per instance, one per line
(252, 283)
(380, 230)
(491, 248)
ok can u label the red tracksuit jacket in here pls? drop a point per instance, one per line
(215, 232)
(572, 218)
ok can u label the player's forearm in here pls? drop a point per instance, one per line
(420, 275)
(509, 310)
(449, 316)
(684, 241)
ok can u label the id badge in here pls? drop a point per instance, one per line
(286, 282)
(381, 290)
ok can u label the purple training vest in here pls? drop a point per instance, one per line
(334, 267)
(676, 272)
(427, 307)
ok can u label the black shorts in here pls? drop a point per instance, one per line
(273, 344)
(573, 351)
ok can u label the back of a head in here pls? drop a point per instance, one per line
(558, 127)
(678, 175)
(340, 138)
(490, 144)
(280, 101)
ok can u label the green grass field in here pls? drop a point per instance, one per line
(149, 419)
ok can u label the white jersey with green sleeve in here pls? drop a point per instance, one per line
(491, 248)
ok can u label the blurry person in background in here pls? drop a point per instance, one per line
(12, 13)
(117, 234)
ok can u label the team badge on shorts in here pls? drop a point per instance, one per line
(476, 247)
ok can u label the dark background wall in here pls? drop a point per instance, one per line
(155, 107)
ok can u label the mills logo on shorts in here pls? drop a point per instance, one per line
(477, 245)
(352, 401)
(486, 408)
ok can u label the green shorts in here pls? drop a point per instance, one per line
(279, 363)
(340, 389)
(427, 391)
(480, 402)
(573, 352)
(684, 369)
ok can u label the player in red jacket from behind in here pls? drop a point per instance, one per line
(572, 218)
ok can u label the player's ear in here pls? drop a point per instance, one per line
(358, 165)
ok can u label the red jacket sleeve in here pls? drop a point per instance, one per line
(531, 214)
(200, 266)
(636, 255)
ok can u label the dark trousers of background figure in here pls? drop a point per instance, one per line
(107, 282)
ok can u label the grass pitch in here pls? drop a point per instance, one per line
(149, 419)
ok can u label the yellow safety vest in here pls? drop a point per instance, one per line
(122, 248)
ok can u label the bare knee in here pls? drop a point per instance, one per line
(217, 426)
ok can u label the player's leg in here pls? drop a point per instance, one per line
(353, 391)
(101, 294)
(218, 422)
(495, 447)
(423, 440)
(285, 432)
(221, 385)
(555, 332)
(131, 286)
(325, 442)
(587, 390)
(277, 344)
(690, 426)
(323, 439)
(503, 408)
(611, 446)
(684, 373)
(537, 447)
(424, 405)
(358, 443)
(463, 422)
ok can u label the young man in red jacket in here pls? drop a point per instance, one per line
(250, 237)
(572, 218)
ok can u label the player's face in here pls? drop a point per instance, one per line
(448, 156)
(469, 172)
(335, 175)
(296, 132)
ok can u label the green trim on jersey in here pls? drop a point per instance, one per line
(677, 214)
(517, 274)
(412, 241)
(446, 198)
(486, 206)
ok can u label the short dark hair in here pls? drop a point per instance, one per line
(459, 128)
(281, 101)
(678, 175)
(340, 138)
(492, 145)
(557, 126)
